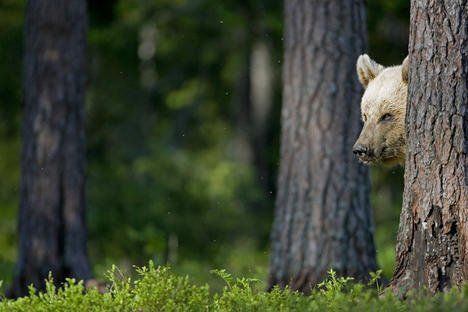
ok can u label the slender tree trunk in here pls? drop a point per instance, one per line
(261, 92)
(253, 104)
(432, 249)
(252, 101)
(323, 216)
(52, 230)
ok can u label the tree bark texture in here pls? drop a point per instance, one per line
(323, 216)
(432, 248)
(52, 230)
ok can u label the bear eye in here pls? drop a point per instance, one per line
(364, 118)
(386, 117)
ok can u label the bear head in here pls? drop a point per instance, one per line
(383, 108)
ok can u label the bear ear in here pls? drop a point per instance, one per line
(367, 69)
(405, 70)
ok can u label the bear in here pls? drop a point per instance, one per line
(383, 109)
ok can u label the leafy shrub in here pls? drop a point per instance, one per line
(158, 289)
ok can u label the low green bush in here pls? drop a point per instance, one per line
(158, 289)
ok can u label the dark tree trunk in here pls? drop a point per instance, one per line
(52, 230)
(432, 248)
(323, 215)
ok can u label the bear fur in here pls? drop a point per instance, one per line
(383, 109)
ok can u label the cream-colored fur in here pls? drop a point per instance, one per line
(383, 109)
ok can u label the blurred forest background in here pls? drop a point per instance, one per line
(182, 121)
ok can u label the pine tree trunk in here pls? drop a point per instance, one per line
(432, 249)
(323, 215)
(52, 230)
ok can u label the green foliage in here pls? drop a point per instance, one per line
(163, 133)
(167, 146)
(158, 289)
(11, 31)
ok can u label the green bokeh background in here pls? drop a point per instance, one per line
(167, 176)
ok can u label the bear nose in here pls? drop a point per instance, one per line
(360, 150)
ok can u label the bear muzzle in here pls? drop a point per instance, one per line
(364, 153)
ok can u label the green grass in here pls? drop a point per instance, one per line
(159, 289)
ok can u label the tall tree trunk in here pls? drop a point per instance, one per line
(432, 249)
(261, 99)
(52, 230)
(323, 216)
(253, 104)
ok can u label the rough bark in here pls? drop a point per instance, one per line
(323, 217)
(432, 241)
(52, 230)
